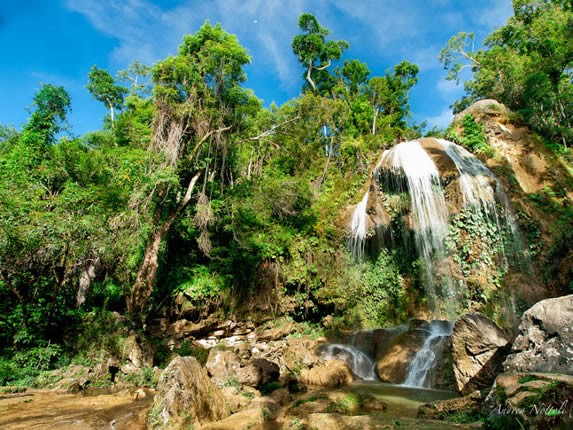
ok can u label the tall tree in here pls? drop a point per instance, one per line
(314, 52)
(389, 94)
(52, 104)
(103, 88)
(198, 103)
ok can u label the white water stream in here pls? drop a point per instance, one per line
(425, 359)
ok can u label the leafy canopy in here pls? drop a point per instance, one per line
(315, 53)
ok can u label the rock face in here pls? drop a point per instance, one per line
(222, 365)
(140, 354)
(532, 400)
(545, 342)
(527, 167)
(478, 350)
(258, 372)
(186, 396)
(442, 409)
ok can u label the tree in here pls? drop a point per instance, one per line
(199, 102)
(137, 74)
(356, 74)
(314, 52)
(527, 64)
(52, 105)
(103, 88)
(389, 94)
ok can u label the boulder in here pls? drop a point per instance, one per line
(299, 354)
(186, 397)
(375, 342)
(331, 373)
(222, 365)
(258, 372)
(393, 364)
(235, 399)
(444, 409)
(479, 347)
(531, 400)
(139, 354)
(247, 419)
(545, 340)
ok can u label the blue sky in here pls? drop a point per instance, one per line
(58, 41)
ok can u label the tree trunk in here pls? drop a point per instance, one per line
(147, 273)
(111, 113)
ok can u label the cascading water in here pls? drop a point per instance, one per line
(438, 196)
(425, 359)
(411, 169)
(482, 191)
(359, 362)
(428, 205)
(359, 228)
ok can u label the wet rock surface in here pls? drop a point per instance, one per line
(392, 365)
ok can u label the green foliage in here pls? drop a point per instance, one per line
(268, 387)
(145, 377)
(316, 54)
(350, 403)
(52, 105)
(473, 137)
(526, 65)
(103, 88)
(186, 349)
(202, 284)
(377, 296)
(78, 215)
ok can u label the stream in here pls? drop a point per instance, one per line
(402, 401)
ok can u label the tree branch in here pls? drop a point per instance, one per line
(204, 138)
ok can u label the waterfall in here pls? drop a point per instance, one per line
(443, 197)
(428, 207)
(359, 228)
(359, 362)
(482, 191)
(425, 359)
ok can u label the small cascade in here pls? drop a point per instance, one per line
(359, 362)
(482, 191)
(359, 228)
(425, 359)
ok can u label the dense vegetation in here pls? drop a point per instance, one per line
(195, 200)
(527, 64)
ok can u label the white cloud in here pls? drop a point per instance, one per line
(382, 29)
(495, 15)
(446, 87)
(442, 120)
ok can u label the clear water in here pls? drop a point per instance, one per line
(402, 401)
